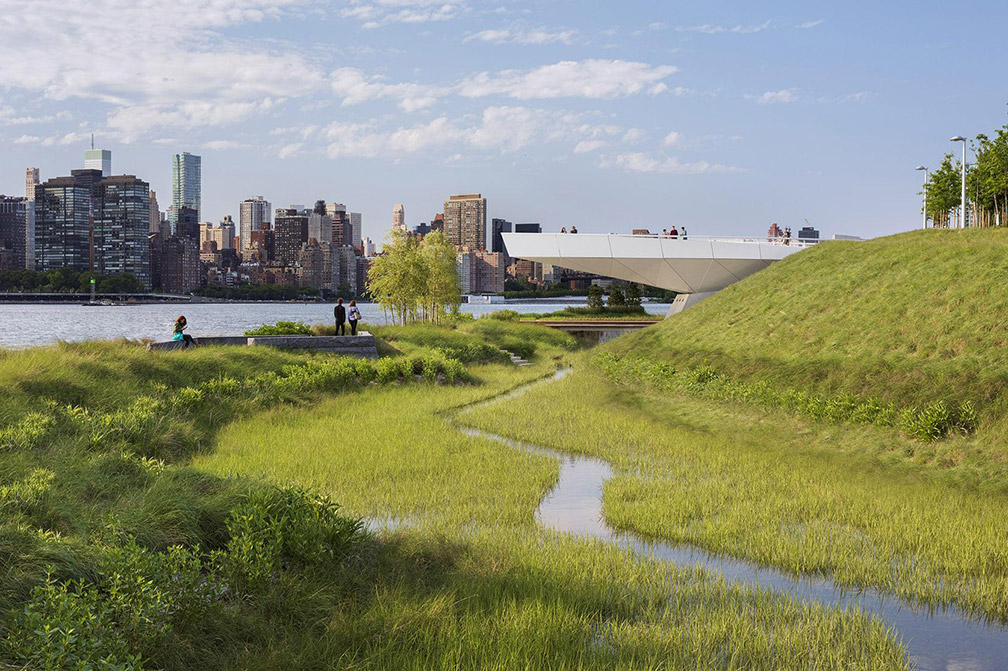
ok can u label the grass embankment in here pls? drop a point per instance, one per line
(838, 413)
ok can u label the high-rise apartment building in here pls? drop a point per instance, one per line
(31, 181)
(155, 213)
(14, 215)
(98, 159)
(254, 212)
(121, 228)
(465, 220)
(290, 228)
(186, 185)
(399, 218)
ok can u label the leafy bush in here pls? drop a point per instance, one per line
(281, 328)
(277, 527)
(504, 315)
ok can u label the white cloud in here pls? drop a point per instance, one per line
(668, 165)
(382, 12)
(714, 29)
(811, 24)
(634, 135)
(221, 145)
(588, 79)
(528, 37)
(774, 97)
(10, 117)
(354, 87)
(671, 139)
(588, 146)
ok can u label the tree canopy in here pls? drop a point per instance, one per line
(415, 280)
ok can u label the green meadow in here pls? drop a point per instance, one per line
(207, 509)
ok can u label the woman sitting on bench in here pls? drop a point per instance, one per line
(177, 334)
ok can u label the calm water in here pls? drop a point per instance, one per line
(25, 325)
(943, 640)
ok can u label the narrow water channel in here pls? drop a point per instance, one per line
(935, 640)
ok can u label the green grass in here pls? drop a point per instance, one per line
(775, 489)
(515, 596)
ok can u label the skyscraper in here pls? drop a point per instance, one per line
(98, 159)
(155, 214)
(290, 228)
(121, 227)
(499, 226)
(186, 185)
(465, 220)
(356, 228)
(31, 181)
(63, 215)
(14, 213)
(254, 213)
(399, 218)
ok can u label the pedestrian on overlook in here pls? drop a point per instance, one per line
(177, 334)
(573, 229)
(339, 312)
(563, 229)
(683, 233)
(353, 314)
(664, 232)
(674, 233)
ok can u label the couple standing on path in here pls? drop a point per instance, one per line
(342, 315)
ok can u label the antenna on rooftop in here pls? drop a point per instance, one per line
(92, 141)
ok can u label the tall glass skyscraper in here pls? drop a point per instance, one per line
(185, 185)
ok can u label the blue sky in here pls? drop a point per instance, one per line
(722, 117)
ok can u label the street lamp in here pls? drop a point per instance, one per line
(920, 167)
(962, 217)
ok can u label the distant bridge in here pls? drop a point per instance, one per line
(694, 267)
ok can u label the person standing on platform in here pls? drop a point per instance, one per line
(353, 315)
(339, 312)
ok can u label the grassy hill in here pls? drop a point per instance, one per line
(910, 318)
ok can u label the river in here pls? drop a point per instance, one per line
(25, 325)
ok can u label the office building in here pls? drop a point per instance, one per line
(399, 218)
(808, 234)
(178, 265)
(481, 271)
(369, 247)
(465, 221)
(155, 213)
(14, 216)
(187, 224)
(290, 228)
(63, 211)
(320, 228)
(528, 228)
(356, 229)
(121, 227)
(253, 213)
(98, 159)
(499, 226)
(186, 185)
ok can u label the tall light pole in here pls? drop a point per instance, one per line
(920, 167)
(962, 217)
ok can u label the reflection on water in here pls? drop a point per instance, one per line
(942, 640)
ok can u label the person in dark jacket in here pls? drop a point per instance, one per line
(339, 312)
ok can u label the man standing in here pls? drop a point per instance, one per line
(340, 313)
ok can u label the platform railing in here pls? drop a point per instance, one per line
(779, 240)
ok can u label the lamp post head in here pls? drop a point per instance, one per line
(958, 138)
(920, 167)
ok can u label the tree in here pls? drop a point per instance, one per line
(633, 295)
(595, 297)
(943, 192)
(319, 207)
(414, 280)
(344, 291)
(617, 299)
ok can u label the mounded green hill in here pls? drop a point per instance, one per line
(910, 318)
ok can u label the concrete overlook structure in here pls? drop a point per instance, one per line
(694, 267)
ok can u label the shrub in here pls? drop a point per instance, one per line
(281, 328)
(504, 315)
(277, 527)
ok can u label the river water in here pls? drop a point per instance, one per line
(935, 640)
(23, 325)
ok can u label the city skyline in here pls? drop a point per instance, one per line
(651, 113)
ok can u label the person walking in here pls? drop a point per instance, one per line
(339, 312)
(353, 315)
(177, 333)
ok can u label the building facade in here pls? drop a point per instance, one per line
(121, 227)
(186, 185)
(14, 216)
(499, 226)
(98, 159)
(290, 229)
(31, 181)
(253, 213)
(465, 221)
(64, 209)
(399, 218)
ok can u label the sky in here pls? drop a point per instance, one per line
(719, 116)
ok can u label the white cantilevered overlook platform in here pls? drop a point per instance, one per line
(697, 266)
